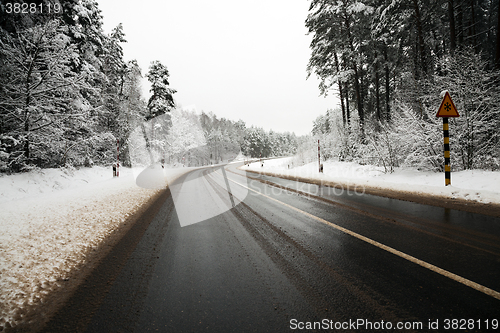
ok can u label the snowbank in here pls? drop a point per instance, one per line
(474, 185)
(51, 222)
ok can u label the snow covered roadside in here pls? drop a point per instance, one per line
(51, 223)
(471, 185)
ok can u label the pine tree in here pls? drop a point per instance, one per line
(162, 99)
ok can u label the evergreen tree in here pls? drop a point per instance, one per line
(162, 99)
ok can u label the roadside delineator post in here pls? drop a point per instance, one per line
(320, 168)
(447, 109)
(117, 157)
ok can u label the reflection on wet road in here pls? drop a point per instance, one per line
(232, 251)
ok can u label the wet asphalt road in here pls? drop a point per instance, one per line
(244, 260)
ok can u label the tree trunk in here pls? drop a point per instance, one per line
(357, 87)
(347, 111)
(497, 58)
(489, 32)
(415, 59)
(340, 89)
(27, 138)
(451, 16)
(460, 21)
(473, 26)
(344, 120)
(377, 88)
(387, 86)
(27, 112)
(420, 35)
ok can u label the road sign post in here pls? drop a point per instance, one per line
(446, 110)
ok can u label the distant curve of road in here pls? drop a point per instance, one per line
(235, 251)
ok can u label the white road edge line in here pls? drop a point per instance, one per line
(458, 278)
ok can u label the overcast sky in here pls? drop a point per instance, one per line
(239, 59)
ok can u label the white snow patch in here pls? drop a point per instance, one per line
(50, 220)
(359, 7)
(475, 185)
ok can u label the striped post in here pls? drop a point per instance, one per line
(447, 109)
(447, 167)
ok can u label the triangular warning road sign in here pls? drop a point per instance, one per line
(447, 108)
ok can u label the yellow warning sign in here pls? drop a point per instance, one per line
(447, 108)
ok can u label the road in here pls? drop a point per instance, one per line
(234, 251)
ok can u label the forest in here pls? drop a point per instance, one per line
(69, 99)
(389, 62)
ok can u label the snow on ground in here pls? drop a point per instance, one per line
(477, 185)
(50, 222)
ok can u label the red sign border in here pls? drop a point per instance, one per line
(442, 102)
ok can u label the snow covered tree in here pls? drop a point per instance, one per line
(224, 137)
(114, 69)
(340, 30)
(66, 94)
(257, 143)
(176, 137)
(38, 94)
(162, 98)
(186, 138)
(476, 94)
(132, 107)
(389, 59)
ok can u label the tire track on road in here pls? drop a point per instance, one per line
(273, 241)
(470, 235)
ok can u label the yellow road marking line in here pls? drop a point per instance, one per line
(403, 255)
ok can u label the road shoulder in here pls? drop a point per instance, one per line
(471, 206)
